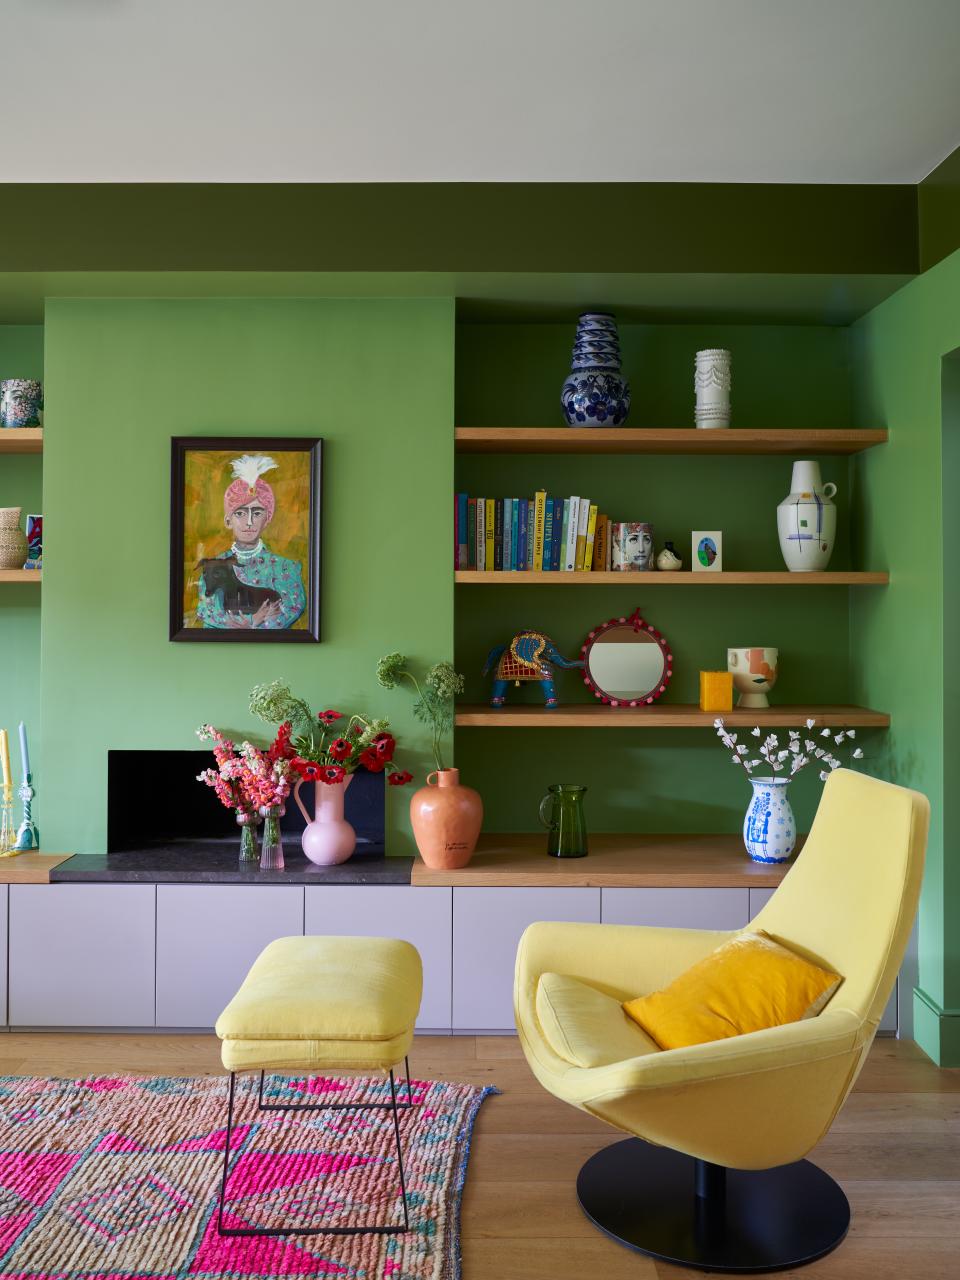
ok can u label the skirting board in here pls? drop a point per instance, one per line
(936, 1030)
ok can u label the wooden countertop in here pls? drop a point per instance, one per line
(614, 861)
(30, 868)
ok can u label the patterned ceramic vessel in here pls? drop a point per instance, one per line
(594, 393)
(711, 383)
(807, 520)
(770, 829)
(13, 541)
(21, 402)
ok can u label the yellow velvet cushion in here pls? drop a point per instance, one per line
(584, 1026)
(750, 983)
(340, 999)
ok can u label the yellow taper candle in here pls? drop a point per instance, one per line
(5, 757)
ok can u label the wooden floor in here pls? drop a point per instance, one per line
(895, 1148)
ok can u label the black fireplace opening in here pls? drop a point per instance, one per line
(188, 811)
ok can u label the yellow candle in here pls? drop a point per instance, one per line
(5, 757)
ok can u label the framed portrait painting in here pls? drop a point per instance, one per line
(245, 539)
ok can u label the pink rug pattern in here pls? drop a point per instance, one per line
(119, 1177)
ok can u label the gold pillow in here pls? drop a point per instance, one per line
(749, 983)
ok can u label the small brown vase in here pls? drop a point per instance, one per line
(446, 821)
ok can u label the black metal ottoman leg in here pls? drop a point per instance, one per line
(396, 1134)
(226, 1154)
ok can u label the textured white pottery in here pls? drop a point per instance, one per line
(807, 520)
(711, 381)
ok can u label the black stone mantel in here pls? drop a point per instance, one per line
(216, 862)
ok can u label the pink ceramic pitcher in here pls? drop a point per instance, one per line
(328, 837)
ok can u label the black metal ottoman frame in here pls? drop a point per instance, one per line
(391, 1106)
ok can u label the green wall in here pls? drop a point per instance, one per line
(783, 376)
(375, 380)
(897, 637)
(21, 485)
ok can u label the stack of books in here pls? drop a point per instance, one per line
(542, 534)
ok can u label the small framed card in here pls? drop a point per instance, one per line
(706, 553)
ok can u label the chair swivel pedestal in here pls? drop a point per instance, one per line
(678, 1209)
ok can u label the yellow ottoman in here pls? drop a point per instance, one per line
(322, 1004)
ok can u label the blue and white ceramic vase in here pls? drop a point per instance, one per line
(594, 393)
(770, 829)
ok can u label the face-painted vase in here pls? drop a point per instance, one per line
(770, 829)
(328, 838)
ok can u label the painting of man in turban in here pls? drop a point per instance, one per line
(246, 534)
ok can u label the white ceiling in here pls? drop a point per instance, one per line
(443, 90)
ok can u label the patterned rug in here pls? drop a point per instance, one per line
(119, 1177)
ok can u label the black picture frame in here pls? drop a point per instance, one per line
(180, 446)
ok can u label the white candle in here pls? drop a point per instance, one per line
(5, 757)
(24, 753)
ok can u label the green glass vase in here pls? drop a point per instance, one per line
(561, 812)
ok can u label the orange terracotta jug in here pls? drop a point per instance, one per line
(446, 821)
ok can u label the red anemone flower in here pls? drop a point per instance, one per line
(384, 744)
(332, 773)
(371, 761)
(399, 778)
(340, 748)
(328, 717)
(307, 769)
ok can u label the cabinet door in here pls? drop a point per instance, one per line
(419, 916)
(487, 924)
(759, 899)
(82, 955)
(677, 908)
(4, 899)
(208, 936)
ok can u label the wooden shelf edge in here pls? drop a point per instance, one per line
(664, 440)
(728, 578)
(21, 439)
(21, 575)
(614, 861)
(30, 868)
(667, 716)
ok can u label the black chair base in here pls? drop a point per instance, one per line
(379, 1229)
(678, 1209)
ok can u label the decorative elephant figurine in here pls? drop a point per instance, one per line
(530, 655)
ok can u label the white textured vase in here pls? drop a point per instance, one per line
(807, 520)
(711, 381)
(770, 829)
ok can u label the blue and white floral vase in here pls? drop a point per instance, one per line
(770, 829)
(594, 393)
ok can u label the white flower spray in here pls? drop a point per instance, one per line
(796, 755)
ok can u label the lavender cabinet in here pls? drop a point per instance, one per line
(4, 901)
(208, 936)
(677, 908)
(487, 924)
(421, 916)
(82, 955)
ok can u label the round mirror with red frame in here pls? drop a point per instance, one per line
(626, 662)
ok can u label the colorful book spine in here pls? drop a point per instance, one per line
(547, 533)
(531, 516)
(582, 519)
(508, 533)
(462, 546)
(481, 533)
(598, 543)
(498, 534)
(515, 534)
(564, 531)
(591, 538)
(488, 531)
(472, 534)
(539, 505)
(521, 533)
(573, 515)
(556, 547)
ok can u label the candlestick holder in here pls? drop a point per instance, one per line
(28, 837)
(8, 834)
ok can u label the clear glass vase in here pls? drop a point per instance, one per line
(248, 823)
(271, 852)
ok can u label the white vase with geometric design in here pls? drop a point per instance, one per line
(807, 520)
(770, 829)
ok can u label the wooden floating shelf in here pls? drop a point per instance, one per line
(614, 861)
(666, 716)
(640, 581)
(21, 439)
(21, 575)
(660, 440)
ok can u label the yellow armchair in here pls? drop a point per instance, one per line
(725, 1186)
